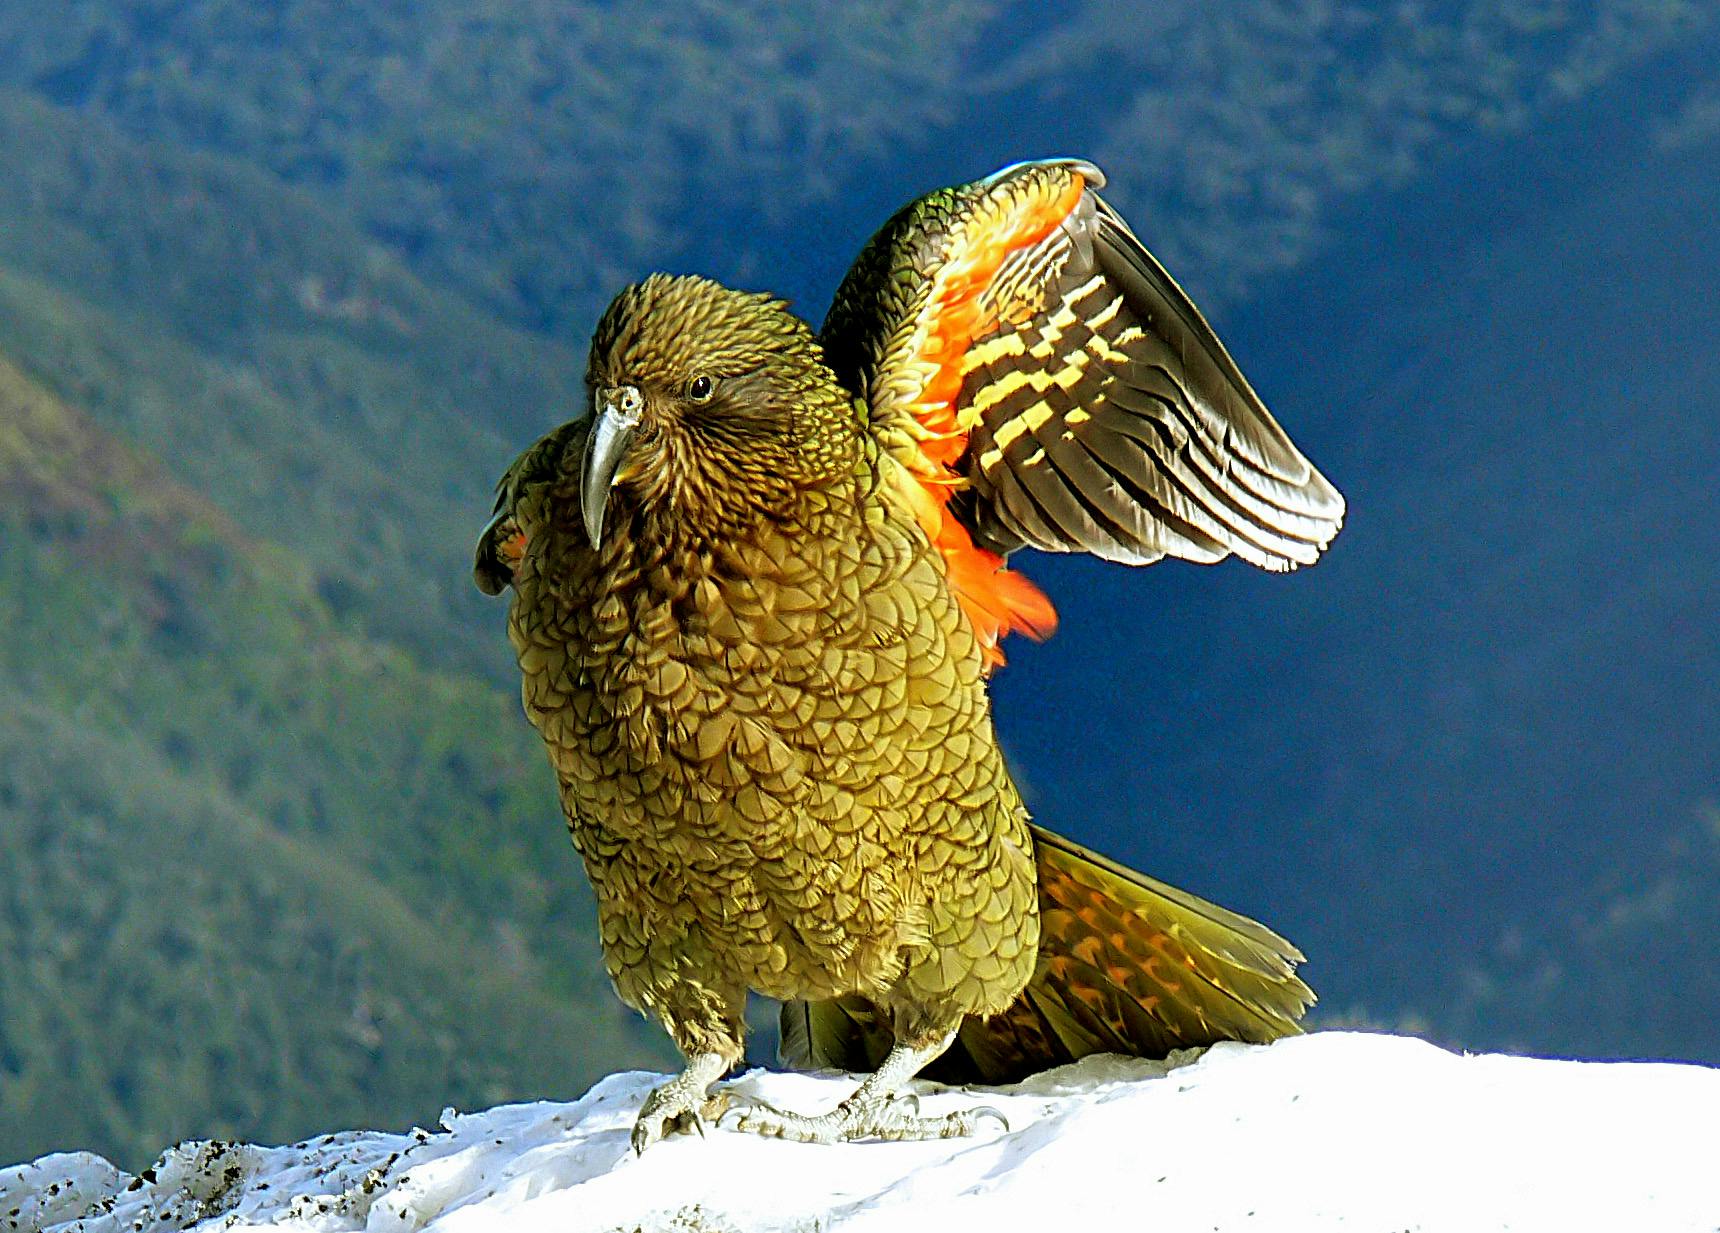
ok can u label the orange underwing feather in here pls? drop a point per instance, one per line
(997, 600)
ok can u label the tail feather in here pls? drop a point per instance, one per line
(1127, 964)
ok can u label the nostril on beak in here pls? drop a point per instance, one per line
(617, 418)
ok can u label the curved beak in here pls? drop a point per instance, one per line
(618, 415)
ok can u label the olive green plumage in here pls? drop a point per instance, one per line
(767, 717)
(767, 714)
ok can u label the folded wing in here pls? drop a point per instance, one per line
(502, 542)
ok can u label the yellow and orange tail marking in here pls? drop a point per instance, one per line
(997, 600)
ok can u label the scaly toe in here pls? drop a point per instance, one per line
(895, 1119)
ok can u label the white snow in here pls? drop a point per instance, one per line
(1334, 1131)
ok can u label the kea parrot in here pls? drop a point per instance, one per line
(759, 583)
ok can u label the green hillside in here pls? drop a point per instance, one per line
(286, 853)
(265, 874)
(276, 359)
(534, 154)
(501, 145)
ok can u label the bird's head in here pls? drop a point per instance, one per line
(711, 408)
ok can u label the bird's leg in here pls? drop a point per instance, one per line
(877, 1110)
(708, 1028)
(678, 1104)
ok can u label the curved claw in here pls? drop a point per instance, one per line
(651, 1128)
(680, 1104)
(984, 1111)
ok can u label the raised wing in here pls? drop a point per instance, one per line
(1051, 385)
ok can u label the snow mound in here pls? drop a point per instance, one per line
(1331, 1131)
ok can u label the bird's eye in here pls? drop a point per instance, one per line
(699, 389)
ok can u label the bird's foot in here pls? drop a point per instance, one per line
(681, 1105)
(861, 1116)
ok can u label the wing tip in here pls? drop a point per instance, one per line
(1089, 171)
(501, 545)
